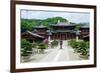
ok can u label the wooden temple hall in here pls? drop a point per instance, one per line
(63, 31)
(66, 31)
(60, 31)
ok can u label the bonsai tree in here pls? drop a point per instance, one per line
(26, 48)
(42, 46)
(83, 49)
(74, 44)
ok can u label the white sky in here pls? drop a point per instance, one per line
(71, 16)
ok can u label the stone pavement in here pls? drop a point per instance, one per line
(57, 55)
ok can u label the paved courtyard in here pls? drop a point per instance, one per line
(56, 54)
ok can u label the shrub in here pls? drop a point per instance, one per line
(42, 46)
(81, 47)
(73, 43)
(70, 42)
(54, 43)
(34, 45)
(26, 48)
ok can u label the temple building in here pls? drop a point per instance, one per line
(63, 31)
(32, 37)
(67, 30)
(84, 31)
(40, 30)
(59, 31)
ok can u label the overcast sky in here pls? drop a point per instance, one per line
(70, 16)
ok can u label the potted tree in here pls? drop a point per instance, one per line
(80, 47)
(26, 50)
(84, 49)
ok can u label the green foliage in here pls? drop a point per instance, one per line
(25, 24)
(26, 48)
(38, 41)
(54, 43)
(81, 47)
(28, 24)
(54, 20)
(42, 46)
(34, 45)
(72, 42)
(75, 45)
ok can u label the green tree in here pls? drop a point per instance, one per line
(29, 24)
(42, 46)
(26, 48)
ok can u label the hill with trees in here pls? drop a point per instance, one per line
(29, 24)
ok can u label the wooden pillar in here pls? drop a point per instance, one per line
(60, 36)
(56, 35)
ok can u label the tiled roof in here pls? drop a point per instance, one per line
(63, 24)
(71, 31)
(41, 26)
(84, 27)
(86, 36)
(33, 34)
